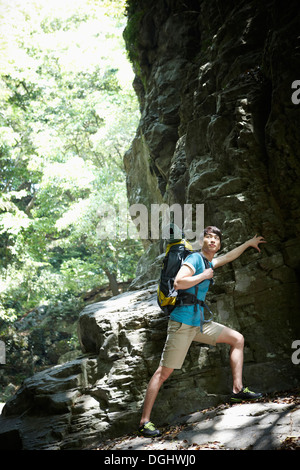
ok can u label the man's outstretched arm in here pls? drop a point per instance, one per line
(236, 252)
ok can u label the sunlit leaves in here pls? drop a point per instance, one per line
(68, 114)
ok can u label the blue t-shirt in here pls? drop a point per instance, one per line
(186, 313)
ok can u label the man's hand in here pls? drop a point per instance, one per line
(236, 252)
(208, 273)
(255, 241)
(185, 277)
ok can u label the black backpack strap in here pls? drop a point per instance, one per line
(185, 298)
(207, 265)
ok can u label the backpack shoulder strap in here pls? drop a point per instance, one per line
(207, 265)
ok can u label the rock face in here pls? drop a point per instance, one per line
(218, 127)
(71, 405)
(100, 394)
(273, 425)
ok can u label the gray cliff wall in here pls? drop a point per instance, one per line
(219, 128)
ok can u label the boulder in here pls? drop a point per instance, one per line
(100, 394)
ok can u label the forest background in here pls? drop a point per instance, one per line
(68, 113)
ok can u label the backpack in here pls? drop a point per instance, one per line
(176, 253)
(167, 297)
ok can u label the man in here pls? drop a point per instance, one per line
(184, 324)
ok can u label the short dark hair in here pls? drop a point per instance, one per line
(213, 229)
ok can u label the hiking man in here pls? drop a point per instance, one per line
(183, 327)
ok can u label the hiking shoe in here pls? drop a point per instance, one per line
(244, 395)
(148, 430)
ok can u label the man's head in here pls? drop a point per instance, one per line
(210, 240)
(212, 229)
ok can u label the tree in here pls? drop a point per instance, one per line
(68, 115)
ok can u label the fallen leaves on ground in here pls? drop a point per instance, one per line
(170, 433)
(290, 443)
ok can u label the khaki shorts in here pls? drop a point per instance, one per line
(180, 337)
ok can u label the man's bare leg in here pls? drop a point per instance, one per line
(236, 341)
(158, 378)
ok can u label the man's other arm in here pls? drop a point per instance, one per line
(236, 252)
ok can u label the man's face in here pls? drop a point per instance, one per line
(211, 243)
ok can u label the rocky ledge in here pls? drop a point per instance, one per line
(99, 395)
(270, 424)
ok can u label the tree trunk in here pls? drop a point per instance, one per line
(113, 285)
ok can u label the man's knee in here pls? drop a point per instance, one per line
(163, 373)
(232, 337)
(240, 341)
(237, 339)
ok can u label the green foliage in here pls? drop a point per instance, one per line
(68, 114)
(135, 15)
